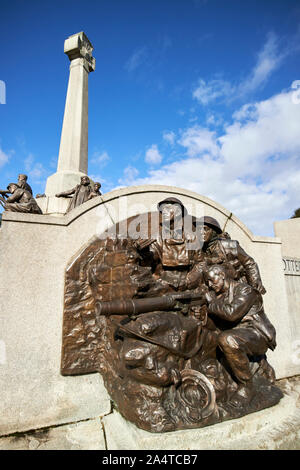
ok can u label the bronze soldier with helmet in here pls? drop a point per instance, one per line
(218, 248)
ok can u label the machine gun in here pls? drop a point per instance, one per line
(133, 307)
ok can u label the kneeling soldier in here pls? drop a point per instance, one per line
(245, 329)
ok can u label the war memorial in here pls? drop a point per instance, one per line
(146, 318)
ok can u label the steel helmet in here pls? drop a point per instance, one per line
(172, 200)
(211, 222)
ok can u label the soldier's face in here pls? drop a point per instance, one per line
(206, 233)
(216, 281)
(85, 181)
(12, 188)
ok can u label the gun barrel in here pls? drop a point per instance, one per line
(187, 295)
(135, 306)
(150, 304)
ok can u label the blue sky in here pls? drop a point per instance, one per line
(201, 94)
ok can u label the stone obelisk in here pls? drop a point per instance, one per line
(73, 151)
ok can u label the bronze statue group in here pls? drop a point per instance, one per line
(18, 196)
(176, 328)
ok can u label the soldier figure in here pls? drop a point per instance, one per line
(237, 309)
(96, 191)
(168, 253)
(20, 200)
(218, 249)
(22, 183)
(81, 193)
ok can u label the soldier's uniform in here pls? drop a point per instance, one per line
(21, 201)
(245, 269)
(245, 328)
(169, 255)
(221, 249)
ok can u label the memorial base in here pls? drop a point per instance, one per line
(53, 205)
(277, 427)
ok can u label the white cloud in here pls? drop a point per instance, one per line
(268, 60)
(169, 136)
(206, 92)
(35, 170)
(153, 157)
(253, 168)
(272, 129)
(214, 120)
(100, 158)
(136, 59)
(130, 174)
(4, 158)
(198, 140)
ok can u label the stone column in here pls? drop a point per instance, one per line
(73, 151)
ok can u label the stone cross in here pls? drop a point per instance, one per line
(73, 151)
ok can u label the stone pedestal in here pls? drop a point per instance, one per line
(275, 428)
(73, 151)
(53, 205)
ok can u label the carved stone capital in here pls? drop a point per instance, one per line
(78, 46)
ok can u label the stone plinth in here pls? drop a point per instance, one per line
(277, 427)
(289, 232)
(84, 435)
(53, 205)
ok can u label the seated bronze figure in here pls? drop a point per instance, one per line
(21, 199)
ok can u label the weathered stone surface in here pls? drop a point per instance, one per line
(275, 428)
(87, 435)
(289, 232)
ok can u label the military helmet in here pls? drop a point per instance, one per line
(172, 200)
(12, 184)
(211, 222)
